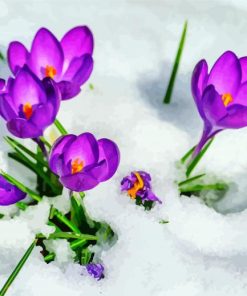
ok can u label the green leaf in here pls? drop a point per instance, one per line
(85, 256)
(200, 187)
(60, 127)
(187, 155)
(195, 161)
(2, 57)
(22, 187)
(16, 146)
(163, 222)
(17, 269)
(190, 180)
(91, 87)
(1, 216)
(21, 205)
(167, 98)
(48, 258)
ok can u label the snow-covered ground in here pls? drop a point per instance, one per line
(201, 251)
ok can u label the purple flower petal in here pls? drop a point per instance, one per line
(9, 194)
(27, 88)
(22, 128)
(7, 110)
(46, 51)
(84, 148)
(52, 92)
(84, 71)
(243, 63)
(68, 89)
(17, 56)
(79, 182)
(75, 43)
(213, 106)
(226, 74)
(109, 152)
(241, 97)
(198, 83)
(57, 149)
(236, 117)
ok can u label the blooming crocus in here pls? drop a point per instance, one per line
(82, 162)
(138, 184)
(96, 270)
(221, 95)
(69, 61)
(29, 105)
(9, 194)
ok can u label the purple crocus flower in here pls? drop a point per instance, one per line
(220, 95)
(96, 270)
(138, 184)
(9, 194)
(69, 61)
(82, 162)
(29, 105)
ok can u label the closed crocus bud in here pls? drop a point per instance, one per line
(68, 62)
(82, 162)
(96, 270)
(221, 95)
(29, 105)
(9, 194)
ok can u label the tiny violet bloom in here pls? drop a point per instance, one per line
(29, 105)
(220, 95)
(96, 270)
(82, 162)
(69, 61)
(9, 194)
(138, 184)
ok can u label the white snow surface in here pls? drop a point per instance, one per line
(200, 251)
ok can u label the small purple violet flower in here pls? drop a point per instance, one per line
(29, 105)
(96, 270)
(220, 95)
(69, 61)
(9, 194)
(82, 162)
(138, 184)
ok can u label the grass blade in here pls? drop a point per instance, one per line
(195, 161)
(60, 127)
(167, 98)
(22, 187)
(200, 187)
(17, 269)
(187, 155)
(190, 180)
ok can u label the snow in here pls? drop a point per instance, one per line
(201, 251)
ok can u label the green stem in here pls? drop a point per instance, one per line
(60, 127)
(167, 98)
(190, 180)
(17, 269)
(64, 220)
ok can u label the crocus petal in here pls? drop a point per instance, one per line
(79, 182)
(27, 88)
(53, 94)
(7, 110)
(212, 105)
(109, 152)
(236, 117)
(68, 89)
(22, 128)
(57, 149)
(241, 97)
(17, 56)
(46, 51)
(198, 83)
(75, 43)
(84, 71)
(243, 63)
(226, 74)
(11, 197)
(43, 116)
(85, 148)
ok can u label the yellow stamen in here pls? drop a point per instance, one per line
(227, 99)
(27, 110)
(50, 71)
(139, 184)
(76, 166)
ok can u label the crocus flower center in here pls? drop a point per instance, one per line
(227, 99)
(50, 71)
(77, 166)
(139, 184)
(27, 110)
